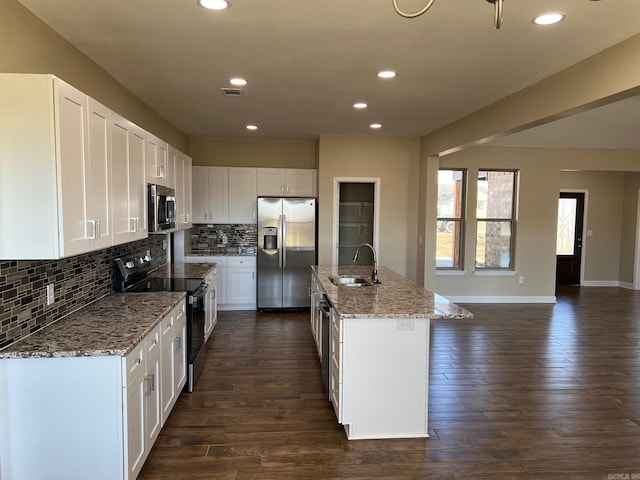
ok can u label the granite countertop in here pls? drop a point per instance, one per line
(394, 297)
(183, 270)
(110, 326)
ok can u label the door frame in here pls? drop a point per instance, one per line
(585, 216)
(336, 212)
(636, 263)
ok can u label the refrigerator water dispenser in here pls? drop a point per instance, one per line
(270, 238)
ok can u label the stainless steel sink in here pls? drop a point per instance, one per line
(350, 281)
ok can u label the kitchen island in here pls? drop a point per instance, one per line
(378, 350)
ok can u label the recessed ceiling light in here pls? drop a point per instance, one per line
(387, 74)
(238, 82)
(549, 18)
(375, 125)
(252, 127)
(214, 4)
(360, 105)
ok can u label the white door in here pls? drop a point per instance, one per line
(218, 198)
(243, 192)
(271, 182)
(137, 183)
(135, 424)
(301, 183)
(242, 285)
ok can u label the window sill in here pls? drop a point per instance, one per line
(495, 273)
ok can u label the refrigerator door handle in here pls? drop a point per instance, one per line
(281, 245)
(284, 241)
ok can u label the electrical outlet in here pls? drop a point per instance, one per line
(521, 280)
(50, 294)
(405, 324)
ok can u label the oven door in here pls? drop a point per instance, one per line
(195, 334)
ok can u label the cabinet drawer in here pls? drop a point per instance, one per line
(241, 262)
(171, 323)
(134, 362)
(152, 342)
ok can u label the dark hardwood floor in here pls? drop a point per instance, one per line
(519, 392)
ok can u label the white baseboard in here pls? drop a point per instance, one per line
(500, 299)
(601, 283)
(627, 285)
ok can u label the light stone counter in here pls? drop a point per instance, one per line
(394, 297)
(183, 270)
(110, 326)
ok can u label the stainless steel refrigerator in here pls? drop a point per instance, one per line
(286, 249)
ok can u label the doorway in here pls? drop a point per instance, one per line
(356, 213)
(569, 238)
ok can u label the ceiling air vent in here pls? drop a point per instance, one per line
(231, 92)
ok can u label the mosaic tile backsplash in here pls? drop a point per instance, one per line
(224, 239)
(78, 280)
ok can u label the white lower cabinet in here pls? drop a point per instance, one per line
(236, 280)
(89, 417)
(210, 304)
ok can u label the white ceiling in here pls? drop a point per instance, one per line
(308, 61)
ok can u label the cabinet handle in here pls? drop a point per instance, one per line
(153, 382)
(177, 344)
(281, 188)
(99, 232)
(146, 386)
(92, 236)
(287, 188)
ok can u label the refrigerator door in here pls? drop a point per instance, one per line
(299, 222)
(269, 259)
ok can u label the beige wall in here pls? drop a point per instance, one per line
(223, 152)
(27, 45)
(629, 226)
(396, 162)
(541, 179)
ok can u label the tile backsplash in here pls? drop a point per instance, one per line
(78, 280)
(224, 239)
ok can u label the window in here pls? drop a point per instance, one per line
(496, 219)
(451, 194)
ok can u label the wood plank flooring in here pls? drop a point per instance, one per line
(519, 392)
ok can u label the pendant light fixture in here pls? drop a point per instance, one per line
(497, 15)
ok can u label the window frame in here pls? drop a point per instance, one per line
(461, 220)
(513, 221)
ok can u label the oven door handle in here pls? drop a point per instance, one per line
(198, 293)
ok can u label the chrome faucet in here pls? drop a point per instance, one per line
(374, 274)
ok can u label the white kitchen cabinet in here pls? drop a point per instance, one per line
(183, 191)
(156, 165)
(210, 304)
(243, 192)
(129, 187)
(210, 194)
(286, 182)
(174, 345)
(241, 283)
(84, 417)
(316, 315)
(55, 169)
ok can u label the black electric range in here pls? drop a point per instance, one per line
(132, 275)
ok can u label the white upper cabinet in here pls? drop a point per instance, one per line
(156, 167)
(183, 190)
(286, 182)
(54, 185)
(243, 192)
(210, 194)
(129, 187)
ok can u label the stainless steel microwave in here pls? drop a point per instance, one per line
(162, 209)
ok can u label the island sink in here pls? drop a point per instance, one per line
(350, 281)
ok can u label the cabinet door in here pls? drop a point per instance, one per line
(243, 192)
(200, 194)
(218, 189)
(271, 182)
(128, 186)
(153, 406)
(170, 174)
(180, 357)
(221, 286)
(99, 185)
(73, 170)
(179, 186)
(187, 191)
(135, 424)
(156, 160)
(241, 285)
(300, 183)
(183, 191)
(168, 381)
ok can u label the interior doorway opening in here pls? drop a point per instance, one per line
(569, 238)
